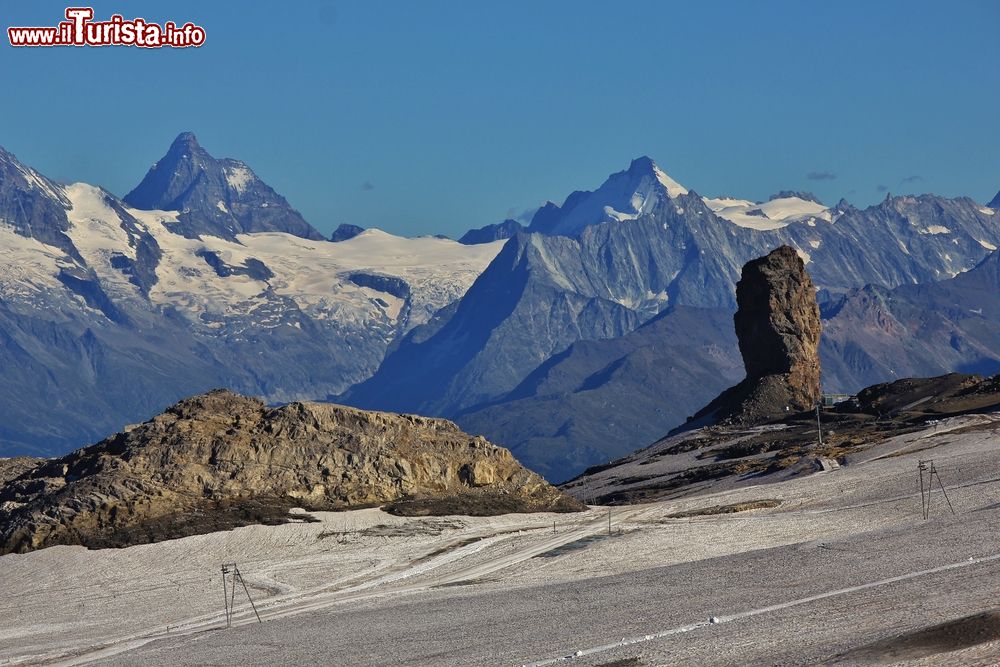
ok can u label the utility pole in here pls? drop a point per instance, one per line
(609, 521)
(819, 424)
(225, 588)
(230, 596)
(925, 495)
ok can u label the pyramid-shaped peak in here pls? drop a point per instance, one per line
(186, 138)
(186, 145)
(216, 197)
(645, 166)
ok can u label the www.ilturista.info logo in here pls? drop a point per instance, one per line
(81, 30)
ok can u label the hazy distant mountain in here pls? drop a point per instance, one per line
(600, 399)
(33, 206)
(874, 334)
(607, 261)
(108, 313)
(640, 243)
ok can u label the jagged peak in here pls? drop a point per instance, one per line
(186, 139)
(995, 202)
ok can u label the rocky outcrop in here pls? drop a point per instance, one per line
(491, 233)
(778, 328)
(221, 460)
(345, 232)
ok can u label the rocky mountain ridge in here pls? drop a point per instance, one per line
(222, 460)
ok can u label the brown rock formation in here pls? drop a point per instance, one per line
(221, 460)
(778, 327)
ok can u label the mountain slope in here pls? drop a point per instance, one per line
(600, 399)
(874, 335)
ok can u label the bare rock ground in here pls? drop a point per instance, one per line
(221, 460)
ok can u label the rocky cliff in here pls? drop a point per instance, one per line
(221, 460)
(778, 328)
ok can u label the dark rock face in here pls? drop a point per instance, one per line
(215, 197)
(777, 320)
(86, 285)
(778, 328)
(490, 233)
(344, 232)
(397, 287)
(252, 267)
(221, 460)
(995, 202)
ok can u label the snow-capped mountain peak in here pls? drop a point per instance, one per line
(625, 195)
(644, 165)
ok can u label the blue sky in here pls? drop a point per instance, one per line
(434, 117)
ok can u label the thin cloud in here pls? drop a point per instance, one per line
(882, 188)
(524, 217)
(912, 179)
(366, 186)
(821, 176)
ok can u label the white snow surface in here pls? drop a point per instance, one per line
(674, 189)
(29, 267)
(777, 213)
(837, 534)
(312, 274)
(239, 177)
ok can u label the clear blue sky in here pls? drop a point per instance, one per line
(427, 117)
